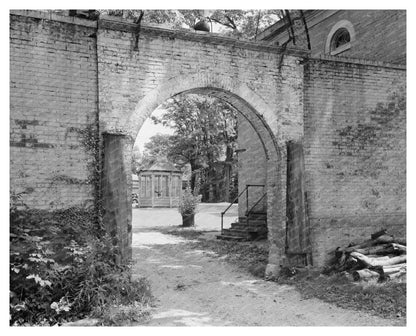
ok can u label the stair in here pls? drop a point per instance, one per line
(248, 228)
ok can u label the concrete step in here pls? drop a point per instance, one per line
(242, 219)
(256, 222)
(236, 233)
(249, 228)
(224, 237)
(257, 217)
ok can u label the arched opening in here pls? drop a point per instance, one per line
(261, 119)
(340, 38)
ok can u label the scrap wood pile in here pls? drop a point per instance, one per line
(382, 257)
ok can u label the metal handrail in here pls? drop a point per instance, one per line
(235, 199)
(249, 212)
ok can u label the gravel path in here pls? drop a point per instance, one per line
(197, 288)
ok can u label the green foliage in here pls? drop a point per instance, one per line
(205, 135)
(123, 315)
(188, 202)
(62, 265)
(232, 22)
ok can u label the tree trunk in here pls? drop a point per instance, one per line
(394, 268)
(382, 261)
(398, 247)
(396, 275)
(364, 274)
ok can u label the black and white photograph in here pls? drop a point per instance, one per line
(207, 167)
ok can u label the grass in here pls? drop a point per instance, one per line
(386, 299)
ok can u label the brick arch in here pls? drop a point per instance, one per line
(238, 94)
(263, 120)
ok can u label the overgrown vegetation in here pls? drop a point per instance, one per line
(63, 268)
(386, 299)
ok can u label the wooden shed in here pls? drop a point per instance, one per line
(160, 185)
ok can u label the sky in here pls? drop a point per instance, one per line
(149, 129)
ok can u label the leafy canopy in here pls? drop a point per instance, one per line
(232, 22)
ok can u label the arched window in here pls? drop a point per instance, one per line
(340, 38)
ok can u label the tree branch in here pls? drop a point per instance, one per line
(231, 21)
(223, 23)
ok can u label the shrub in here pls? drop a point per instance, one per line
(188, 202)
(63, 266)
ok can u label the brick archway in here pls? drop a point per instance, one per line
(266, 88)
(234, 92)
(259, 115)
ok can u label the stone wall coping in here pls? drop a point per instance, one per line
(116, 23)
(359, 61)
(54, 17)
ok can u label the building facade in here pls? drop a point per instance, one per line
(377, 35)
(160, 186)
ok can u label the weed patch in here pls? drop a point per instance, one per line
(63, 266)
(386, 299)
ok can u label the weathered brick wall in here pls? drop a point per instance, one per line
(355, 152)
(252, 164)
(53, 109)
(353, 127)
(261, 84)
(169, 62)
(380, 35)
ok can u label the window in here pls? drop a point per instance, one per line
(148, 186)
(142, 186)
(340, 38)
(158, 186)
(166, 185)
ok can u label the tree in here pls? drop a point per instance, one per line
(141, 160)
(205, 137)
(239, 23)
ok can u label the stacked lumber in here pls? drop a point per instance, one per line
(382, 257)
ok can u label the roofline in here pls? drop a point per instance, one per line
(159, 171)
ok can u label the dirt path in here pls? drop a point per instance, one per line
(197, 288)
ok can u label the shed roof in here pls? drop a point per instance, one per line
(162, 165)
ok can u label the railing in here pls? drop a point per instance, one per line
(245, 190)
(255, 204)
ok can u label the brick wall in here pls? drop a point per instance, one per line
(53, 109)
(252, 164)
(355, 152)
(380, 35)
(350, 116)
(254, 78)
(168, 62)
